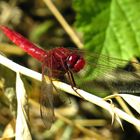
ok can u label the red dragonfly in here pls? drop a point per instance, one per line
(58, 61)
(61, 61)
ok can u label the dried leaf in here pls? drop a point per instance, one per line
(114, 114)
(132, 100)
(22, 127)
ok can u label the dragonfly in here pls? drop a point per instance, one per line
(62, 61)
(58, 62)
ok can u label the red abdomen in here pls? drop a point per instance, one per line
(24, 43)
(56, 60)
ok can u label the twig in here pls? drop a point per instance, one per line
(65, 87)
(64, 24)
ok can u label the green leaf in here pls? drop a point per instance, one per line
(110, 28)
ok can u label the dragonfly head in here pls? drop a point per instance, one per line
(75, 62)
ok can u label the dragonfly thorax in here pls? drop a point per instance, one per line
(62, 60)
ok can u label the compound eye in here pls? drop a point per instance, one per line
(79, 64)
(72, 59)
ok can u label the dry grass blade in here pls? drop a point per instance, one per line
(64, 23)
(115, 116)
(132, 100)
(22, 127)
(10, 49)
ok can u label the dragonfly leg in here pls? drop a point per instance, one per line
(71, 78)
(73, 84)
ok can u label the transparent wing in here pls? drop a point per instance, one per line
(112, 73)
(46, 99)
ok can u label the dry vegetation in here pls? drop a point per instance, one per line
(79, 119)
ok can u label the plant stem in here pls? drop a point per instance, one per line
(64, 23)
(65, 87)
